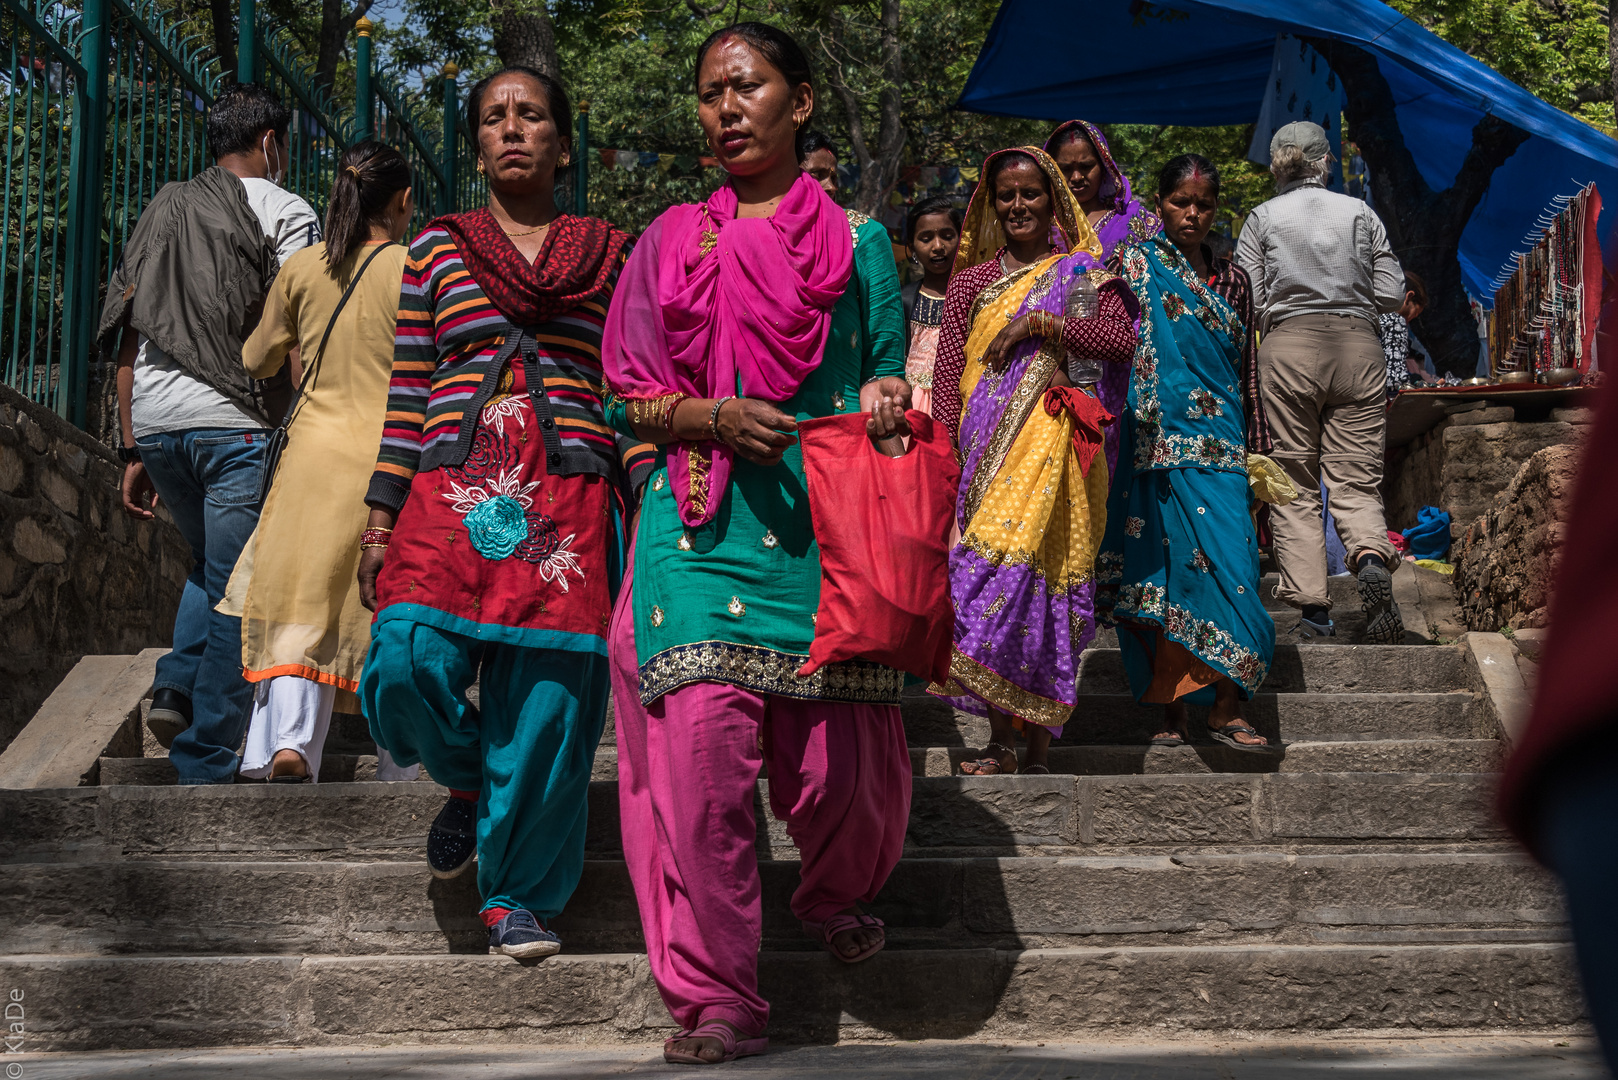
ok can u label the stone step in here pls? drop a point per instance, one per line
(363, 908)
(1344, 668)
(1362, 755)
(1117, 719)
(1343, 592)
(156, 771)
(93, 1003)
(1297, 669)
(998, 813)
(1397, 756)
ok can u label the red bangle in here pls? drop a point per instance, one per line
(375, 538)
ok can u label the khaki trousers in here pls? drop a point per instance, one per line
(1323, 379)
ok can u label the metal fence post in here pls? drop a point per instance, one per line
(364, 102)
(83, 278)
(450, 147)
(581, 177)
(247, 42)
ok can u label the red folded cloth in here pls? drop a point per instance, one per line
(1089, 417)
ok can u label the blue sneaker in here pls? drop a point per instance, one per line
(520, 935)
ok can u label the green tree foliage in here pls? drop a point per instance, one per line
(1555, 49)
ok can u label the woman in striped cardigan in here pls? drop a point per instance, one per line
(494, 546)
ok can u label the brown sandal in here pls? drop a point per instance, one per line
(982, 766)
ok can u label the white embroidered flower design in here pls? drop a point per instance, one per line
(495, 413)
(554, 567)
(508, 483)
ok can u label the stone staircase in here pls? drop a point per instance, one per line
(1357, 882)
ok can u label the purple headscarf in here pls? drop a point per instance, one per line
(1129, 220)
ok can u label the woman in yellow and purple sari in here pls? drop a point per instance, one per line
(1033, 361)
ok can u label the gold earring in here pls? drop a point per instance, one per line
(566, 160)
(480, 166)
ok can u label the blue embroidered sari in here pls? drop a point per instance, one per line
(1178, 569)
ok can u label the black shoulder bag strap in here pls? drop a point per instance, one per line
(278, 438)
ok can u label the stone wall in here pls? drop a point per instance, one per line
(1505, 559)
(1471, 457)
(77, 576)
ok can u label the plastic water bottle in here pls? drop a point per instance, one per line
(1082, 302)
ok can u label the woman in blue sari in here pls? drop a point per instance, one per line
(1178, 569)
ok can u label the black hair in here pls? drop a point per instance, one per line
(555, 96)
(932, 204)
(781, 52)
(810, 141)
(1074, 134)
(369, 175)
(1011, 157)
(1183, 168)
(240, 115)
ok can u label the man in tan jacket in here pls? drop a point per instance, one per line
(1322, 272)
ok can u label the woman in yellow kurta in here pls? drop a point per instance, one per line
(304, 631)
(1032, 359)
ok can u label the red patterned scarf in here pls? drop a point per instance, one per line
(578, 256)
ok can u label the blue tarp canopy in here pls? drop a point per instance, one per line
(1206, 62)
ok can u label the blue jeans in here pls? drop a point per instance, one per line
(209, 481)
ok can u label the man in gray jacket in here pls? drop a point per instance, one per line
(1322, 272)
(187, 292)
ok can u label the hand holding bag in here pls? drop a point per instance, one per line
(882, 525)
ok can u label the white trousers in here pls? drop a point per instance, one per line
(294, 713)
(289, 713)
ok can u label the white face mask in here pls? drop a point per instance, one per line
(278, 171)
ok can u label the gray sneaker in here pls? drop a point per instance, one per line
(1383, 625)
(1308, 631)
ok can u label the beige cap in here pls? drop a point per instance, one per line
(1306, 136)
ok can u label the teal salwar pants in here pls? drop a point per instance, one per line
(527, 748)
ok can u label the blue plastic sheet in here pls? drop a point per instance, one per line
(1205, 62)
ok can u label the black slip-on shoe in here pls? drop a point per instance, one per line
(170, 714)
(452, 842)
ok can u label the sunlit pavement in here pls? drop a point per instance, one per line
(1460, 1058)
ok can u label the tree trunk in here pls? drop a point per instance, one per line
(335, 27)
(879, 170)
(224, 35)
(523, 34)
(1424, 226)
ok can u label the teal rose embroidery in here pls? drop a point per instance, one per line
(497, 526)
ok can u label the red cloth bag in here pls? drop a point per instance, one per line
(883, 527)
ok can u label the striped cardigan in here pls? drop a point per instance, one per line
(449, 350)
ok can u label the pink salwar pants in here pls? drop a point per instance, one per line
(688, 769)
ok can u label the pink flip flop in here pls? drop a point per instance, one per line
(722, 1030)
(837, 924)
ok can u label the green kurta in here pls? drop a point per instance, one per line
(735, 600)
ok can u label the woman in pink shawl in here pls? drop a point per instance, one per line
(735, 319)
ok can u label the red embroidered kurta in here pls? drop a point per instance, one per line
(500, 549)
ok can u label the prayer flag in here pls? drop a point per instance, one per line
(628, 159)
(609, 158)
(665, 162)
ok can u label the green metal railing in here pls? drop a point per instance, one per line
(106, 104)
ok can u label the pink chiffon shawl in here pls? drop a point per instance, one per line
(741, 307)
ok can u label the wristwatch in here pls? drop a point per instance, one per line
(127, 454)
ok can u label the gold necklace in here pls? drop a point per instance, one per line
(529, 232)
